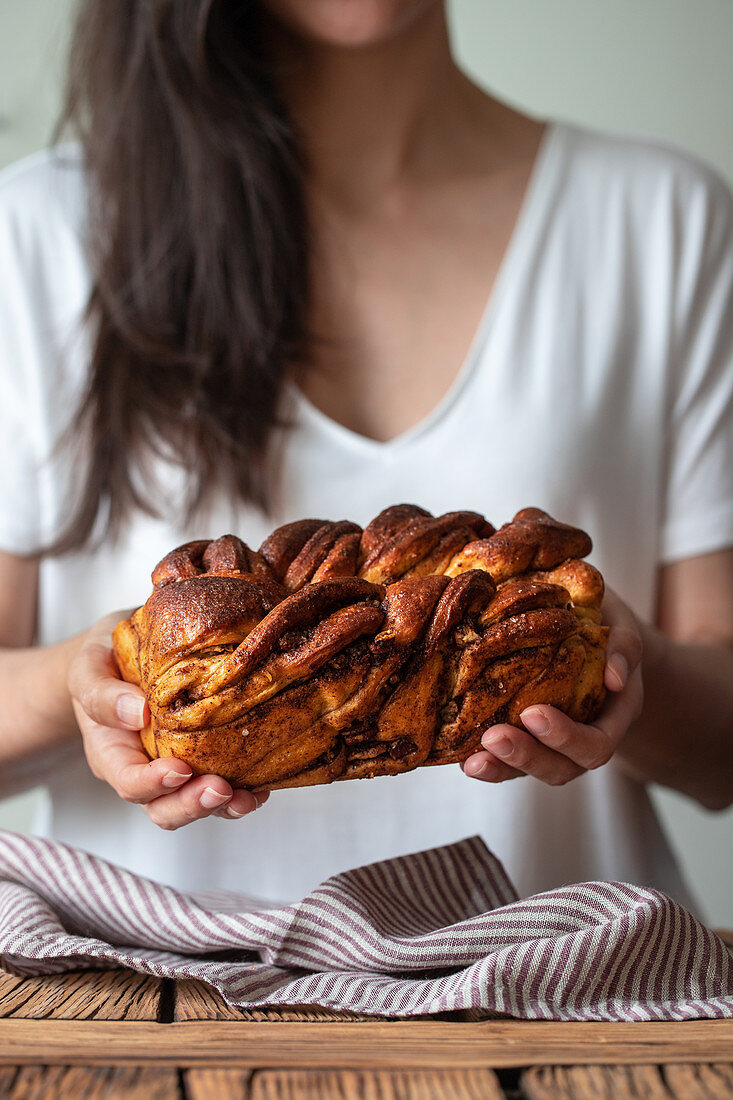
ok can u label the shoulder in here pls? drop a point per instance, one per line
(650, 218)
(44, 273)
(655, 182)
(53, 175)
(43, 200)
(639, 162)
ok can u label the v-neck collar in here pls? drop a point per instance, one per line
(530, 210)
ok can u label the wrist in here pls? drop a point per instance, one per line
(37, 713)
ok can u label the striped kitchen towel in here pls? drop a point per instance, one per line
(429, 932)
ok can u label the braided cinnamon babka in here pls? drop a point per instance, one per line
(335, 652)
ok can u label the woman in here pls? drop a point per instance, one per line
(327, 272)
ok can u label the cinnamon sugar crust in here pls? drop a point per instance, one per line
(334, 652)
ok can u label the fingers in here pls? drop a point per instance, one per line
(116, 757)
(584, 747)
(623, 709)
(588, 746)
(554, 748)
(201, 797)
(95, 685)
(487, 768)
(624, 650)
(510, 752)
(519, 750)
(166, 788)
(239, 807)
(623, 657)
(110, 713)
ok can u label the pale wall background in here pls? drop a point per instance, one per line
(654, 67)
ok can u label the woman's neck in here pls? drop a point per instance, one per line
(371, 116)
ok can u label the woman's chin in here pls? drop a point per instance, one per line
(348, 23)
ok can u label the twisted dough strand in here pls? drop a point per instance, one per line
(335, 653)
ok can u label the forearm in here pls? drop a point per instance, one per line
(36, 713)
(684, 737)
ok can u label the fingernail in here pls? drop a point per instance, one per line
(619, 669)
(488, 770)
(175, 779)
(501, 746)
(260, 798)
(535, 721)
(231, 812)
(212, 800)
(129, 709)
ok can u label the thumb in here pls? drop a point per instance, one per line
(95, 685)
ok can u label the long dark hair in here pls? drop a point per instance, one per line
(198, 248)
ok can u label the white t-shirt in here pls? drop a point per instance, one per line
(598, 387)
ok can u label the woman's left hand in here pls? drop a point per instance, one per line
(556, 749)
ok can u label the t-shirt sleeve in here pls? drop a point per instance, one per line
(698, 499)
(20, 444)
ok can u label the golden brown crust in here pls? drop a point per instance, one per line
(336, 653)
(405, 540)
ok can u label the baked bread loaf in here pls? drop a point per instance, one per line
(336, 653)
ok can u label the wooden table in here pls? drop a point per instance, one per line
(119, 1034)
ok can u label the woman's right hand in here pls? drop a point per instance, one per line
(110, 714)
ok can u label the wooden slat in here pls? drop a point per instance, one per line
(195, 1000)
(67, 1082)
(594, 1083)
(81, 995)
(416, 1044)
(378, 1085)
(7, 1076)
(204, 1084)
(217, 1084)
(352, 1085)
(198, 1001)
(669, 1082)
(703, 1082)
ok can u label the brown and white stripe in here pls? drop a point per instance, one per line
(429, 932)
